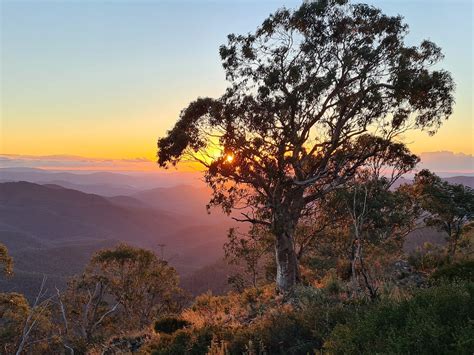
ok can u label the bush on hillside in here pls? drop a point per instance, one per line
(462, 270)
(257, 322)
(435, 321)
(183, 341)
(428, 257)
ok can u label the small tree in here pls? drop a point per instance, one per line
(250, 249)
(6, 261)
(314, 93)
(25, 327)
(379, 221)
(88, 312)
(123, 288)
(450, 207)
(144, 285)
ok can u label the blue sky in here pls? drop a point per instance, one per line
(105, 79)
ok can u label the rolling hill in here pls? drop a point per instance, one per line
(102, 183)
(53, 230)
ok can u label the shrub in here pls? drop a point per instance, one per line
(183, 341)
(297, 329)
(463, 270)
(331, 283)
(169, 325)
(434, 321)
(428, 257)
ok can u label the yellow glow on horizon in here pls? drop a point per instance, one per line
(129, 139)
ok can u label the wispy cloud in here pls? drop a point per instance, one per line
(447, 162)
(72, 162)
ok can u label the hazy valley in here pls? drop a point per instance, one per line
(53, 230)
(53, 224)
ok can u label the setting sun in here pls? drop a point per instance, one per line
(232, 177)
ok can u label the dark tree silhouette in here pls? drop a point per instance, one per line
(314, 93)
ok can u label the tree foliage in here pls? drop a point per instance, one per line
(122, 289)
(14, 309)
(437, 320)
(144, 285)
(377, 219)
(313, 94)
(25, 327)
(6, 261)
(251, 251)
(450, 207)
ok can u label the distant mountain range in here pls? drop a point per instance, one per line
(54, 230)
(102, 183)
(462, 180)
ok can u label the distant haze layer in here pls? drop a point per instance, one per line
(444, 163)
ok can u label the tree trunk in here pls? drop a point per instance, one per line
(373, 292)
(284, 221)
(287, 264)
(355, 254)
(453, 243)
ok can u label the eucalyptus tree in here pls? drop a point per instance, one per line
(379, 218)
(145, 286)
(313, 94)
(249, 250)
(450, 207)
(122, 289)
